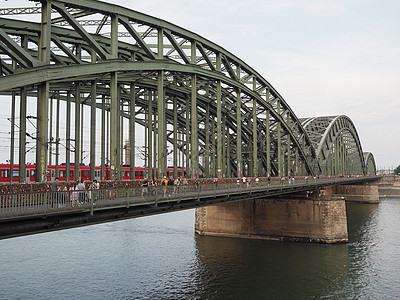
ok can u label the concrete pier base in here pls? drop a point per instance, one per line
(319, 220)
(354, 193)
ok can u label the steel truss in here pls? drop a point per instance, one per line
(220, 116)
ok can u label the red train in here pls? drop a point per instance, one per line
(84, 173)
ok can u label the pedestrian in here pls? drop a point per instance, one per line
(306, 179)
(282, 180)
(238, 183)
(93, 193)
(244, 180)
(54, 192)
(269, 180)
(81, 188)
(216, 183)
(176, 186)
(74, 196)
(248, 182)
(97, 188)
(145, 187)
(164, 183)
(111, 188)
(257, 180)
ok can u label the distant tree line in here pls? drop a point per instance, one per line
(397, 170)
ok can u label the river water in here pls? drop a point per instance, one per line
(160, 257)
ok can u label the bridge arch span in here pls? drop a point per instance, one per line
(191, 97)
(370, 165)
(337, 144)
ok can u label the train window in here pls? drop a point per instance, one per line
(15, 173)
(85, 173)
(71, 175)
(141, 173)
(33, 173)
(27, 173)
(63, 173)
(52, 173)
(127, 174)
(5, 173)
(97, 173)
(136, 173)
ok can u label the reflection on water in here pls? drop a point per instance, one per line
(160, 257)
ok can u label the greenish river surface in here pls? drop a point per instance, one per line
(160, 257)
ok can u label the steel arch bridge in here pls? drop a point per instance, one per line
(193, 101)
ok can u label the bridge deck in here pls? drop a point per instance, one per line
(22, 214)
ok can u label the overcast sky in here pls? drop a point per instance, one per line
(324, 57)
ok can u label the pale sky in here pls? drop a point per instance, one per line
(324, 57)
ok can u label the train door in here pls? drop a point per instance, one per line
(97, 174)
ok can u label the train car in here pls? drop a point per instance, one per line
(30, 173)
(84, 173)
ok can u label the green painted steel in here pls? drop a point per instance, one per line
(219, 107)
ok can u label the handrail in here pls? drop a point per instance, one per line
(42, 203)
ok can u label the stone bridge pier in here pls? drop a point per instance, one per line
(318, 218)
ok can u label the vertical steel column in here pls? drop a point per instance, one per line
(296, 170)
(41, 136)
(114, 106)
(181, 154)
(57, 134)
(207, 142)
(45, 33)
(22, 124)
(119, 132)
(51, 139)
(228, 151)
(43, 95)
(343, 156)
(81, 134)
(336, 157)
(12, 136)
(223, 129)
(214, 149)
(239, 133)
(193, 114)
(278, 129)
(132, 121)
(194, 134)
(103, 138)
(175, 137)
(161, 126)
(255, 160)
(114, 146)
(187, 137)
(155, 128)
(68, 137)
(22, 136)
(77, 130)
(93, 93)
(149, 135)
(146, 123)
(219, 118)
(288, 155)
(268, 139)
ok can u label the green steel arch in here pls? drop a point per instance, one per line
(370, 166)
(188, 94)
(337, 144)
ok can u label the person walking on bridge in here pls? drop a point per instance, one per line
(164, 183)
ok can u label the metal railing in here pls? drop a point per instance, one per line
(93, 199)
